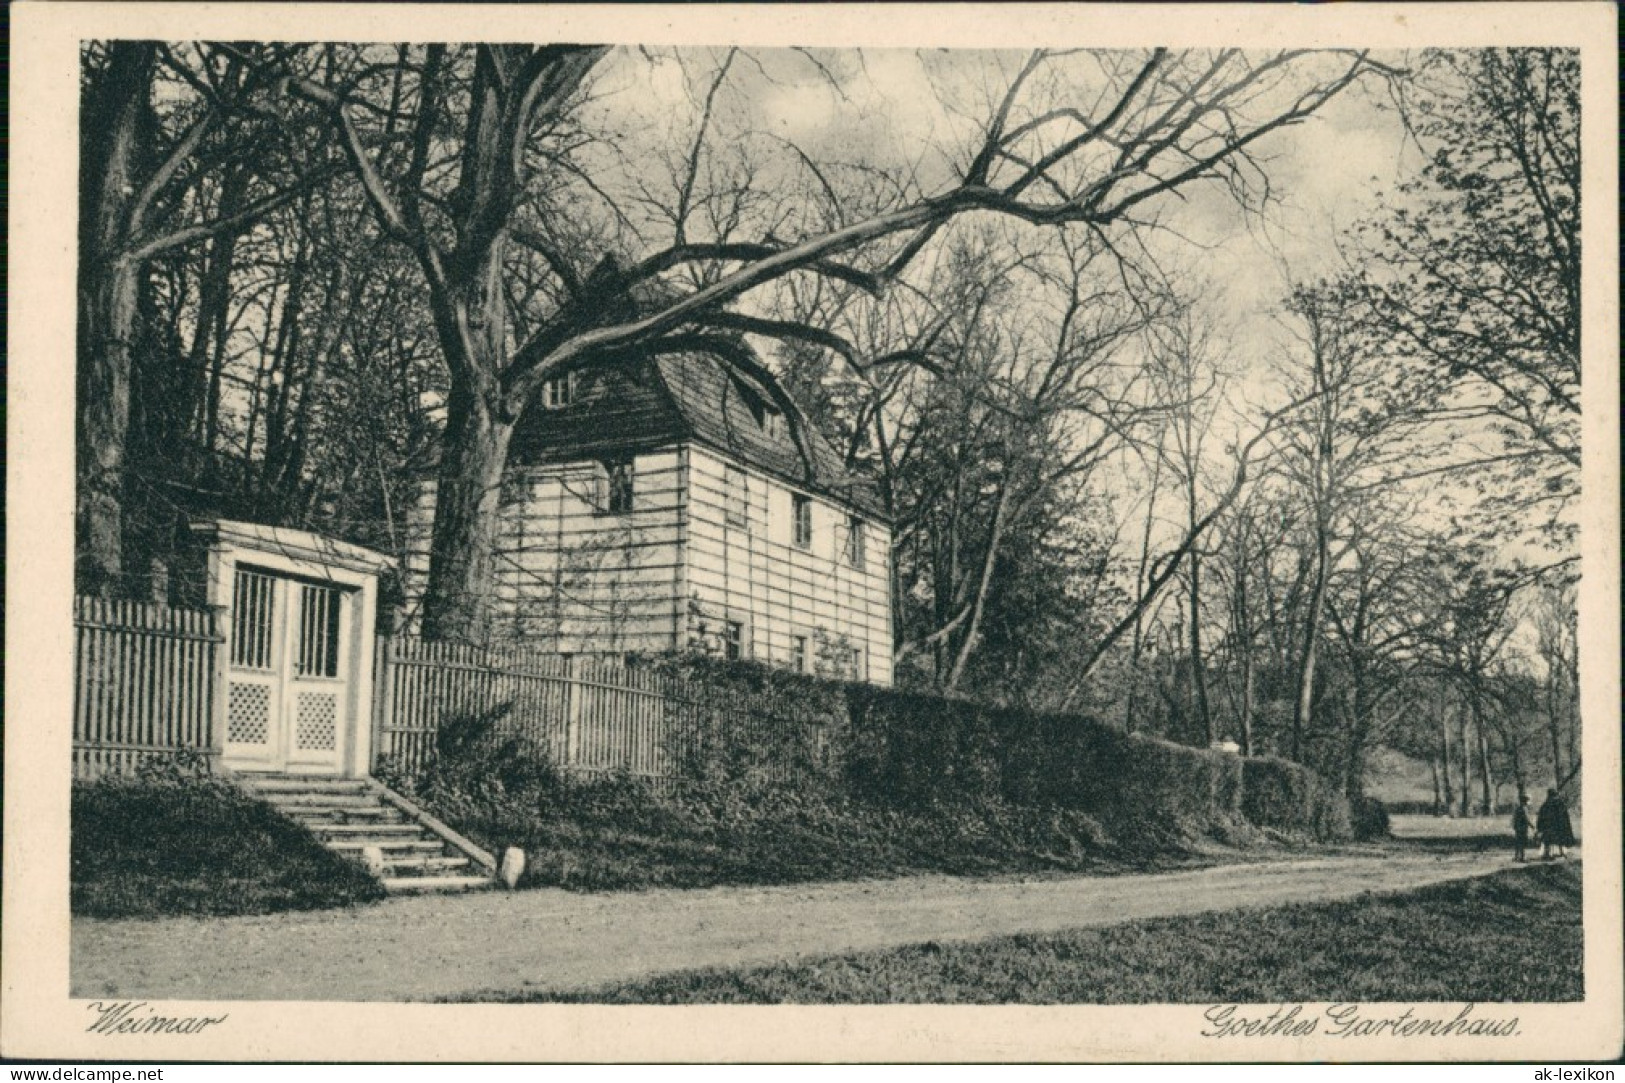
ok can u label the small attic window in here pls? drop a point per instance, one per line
(561, 390)
(769, 418)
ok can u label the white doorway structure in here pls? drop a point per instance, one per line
(293, 685)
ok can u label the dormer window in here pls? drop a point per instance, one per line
(768, 417)
(560, 390)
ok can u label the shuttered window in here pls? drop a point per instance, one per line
(855, 552)
(618, 479)
(733, 640)
(738, 498)
(802, 507)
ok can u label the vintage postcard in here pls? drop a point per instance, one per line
(1077, 532)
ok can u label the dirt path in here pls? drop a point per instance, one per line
(424, 948)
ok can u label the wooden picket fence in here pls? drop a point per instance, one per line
(590, 716)
(143, 683)
(144, 687)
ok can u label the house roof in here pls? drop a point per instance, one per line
(635, 404)
(301, 545)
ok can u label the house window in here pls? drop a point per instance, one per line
(856, 663)
(773, 423)
(560, 390)
(618, 486)
(854, 541)
(802, 507)
(733, 640)
(799, 654)
(737, 498)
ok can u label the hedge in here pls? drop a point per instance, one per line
(915, 751)
(1288, 796)
(912, 750)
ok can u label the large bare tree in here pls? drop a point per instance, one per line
(142, 166)
(1053, 148)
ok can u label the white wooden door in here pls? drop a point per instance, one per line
(315, 693)
(287, 682)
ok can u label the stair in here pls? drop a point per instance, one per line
(420, 853)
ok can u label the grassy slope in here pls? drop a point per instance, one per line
(603, 838)
(1513, 936)
(150, 849)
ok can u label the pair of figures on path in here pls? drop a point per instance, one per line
(1551, 827)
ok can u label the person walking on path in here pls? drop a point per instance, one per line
(1521, 826)
(1553, 825)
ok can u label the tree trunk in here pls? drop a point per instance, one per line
(104, 422)
(1466, 764)
(114, 110)
(209, 336)
(1137, 645)
(1198, 672)
(1486, 789)
(1554, 726)
(1248, 694)
(984, 581)
(1303, 704)
(462, 562)
(1444, 750)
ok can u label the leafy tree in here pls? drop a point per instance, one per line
(1476, 273)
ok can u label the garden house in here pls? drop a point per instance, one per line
(668, 502)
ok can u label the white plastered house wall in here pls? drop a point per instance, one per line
(677, 567)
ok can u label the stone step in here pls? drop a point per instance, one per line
(349, 815)
(390, 846)
(291, 801)
(342, 814)
(283, 784)
(426, 864)
(406, 884)
(381, 830)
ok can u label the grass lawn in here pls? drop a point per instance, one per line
(1512, 936)
(153, 849)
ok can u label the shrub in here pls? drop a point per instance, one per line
(1371, 820)
(916, 750)
(180, 765)
(911, 750)
(758, 725)
(477, 761)
(1287, 796)
(1146, 787)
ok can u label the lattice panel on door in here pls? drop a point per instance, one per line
(316, 721)
(248, 714)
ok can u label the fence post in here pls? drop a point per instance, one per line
(572, 712)
(221, 577)
(383, 697)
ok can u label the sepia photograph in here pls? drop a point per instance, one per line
(769, 519)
